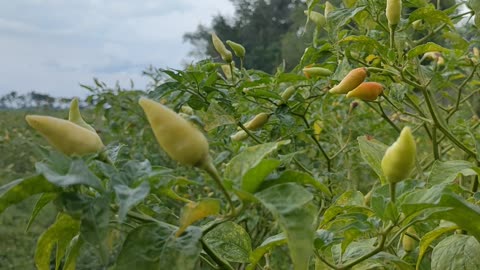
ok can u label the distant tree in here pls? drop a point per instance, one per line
(269, 30)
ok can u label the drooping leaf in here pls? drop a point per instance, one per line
(297, 177)
(268, 244)
(428, 238)
(372, 152)
(95, 222)
(155, 246)
(216, 116)
(427, 47)
(21, 189)
(247, 160)
(63, 230)
(291, 205)
(41, 202)
(78, 174)
(255, 176)
(341, 16)
(194, 211)
(456, 252)
(129, 197)
(447, 172)
(430, 15)
(72, 254)
(230, 241)
(453, 207)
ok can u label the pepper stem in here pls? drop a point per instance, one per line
(212, 171)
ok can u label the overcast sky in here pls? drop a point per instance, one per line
(51, 46)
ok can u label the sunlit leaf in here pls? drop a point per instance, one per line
(195, 211)
(230, 241)
(63, 230)
(428, 238)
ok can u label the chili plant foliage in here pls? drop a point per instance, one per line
(303, 178)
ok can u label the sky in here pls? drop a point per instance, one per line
(53, 46)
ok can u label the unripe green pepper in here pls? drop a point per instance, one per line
(394, 11)
(317, 129)
(239, 136)
(353, 79)
(408, 243)
(180, 139)
(288, 93)
(221, 49)
(328, 8)
(316, 17)
(257, 122)
(399, 159)
(368, 91)
(417, 25)
(66, 136)
(75, 116)
(313, 72)
(227, 71)
(238, 49)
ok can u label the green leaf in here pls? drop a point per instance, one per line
(230, 241)
(446, 172)
(430, 15)
(154, 246)
(42, 202)
(297, 177)
(72, 254)
(267, 245)
(241, 164)
(380, 201)
(129, 197)
(194, 211)
(372, 152)
(427, 47)
(365, 40)
(255, 176)
(355, 250)
(292, 207)
(18, 190)
(456, 252)
(63, 230)
(216, 116)
(284, 198)
(428, 238)
(454, 207)
(78, 174)
(383, 260)
(347, 200)
(340, 16)
(94, 227)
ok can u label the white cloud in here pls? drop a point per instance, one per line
(52, 46)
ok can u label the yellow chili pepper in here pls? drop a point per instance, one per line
(67, 137)
(368, 91)
(353, 79)
(399, 159)
(180, 139)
